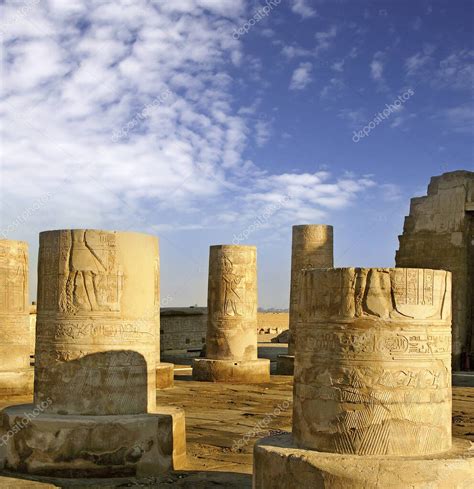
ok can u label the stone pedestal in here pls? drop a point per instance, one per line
(95, 371)
(164, 375)
(231, 340)
(312, 247)
(279, 464)
(372, 391)
(16, 375)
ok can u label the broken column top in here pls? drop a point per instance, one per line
(98, 296)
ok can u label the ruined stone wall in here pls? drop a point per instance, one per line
(438, 234)
(183, 328)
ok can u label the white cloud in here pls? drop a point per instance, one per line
(262, 132)
(291, 52)
(324, 39)
(75, 72)
(301, 76)
(377, 66)
(302, 8)
(454, 72)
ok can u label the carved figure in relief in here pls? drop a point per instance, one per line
(231, 281)
(12, 283)
(84, 267)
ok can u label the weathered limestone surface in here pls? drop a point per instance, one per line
(98, 298)
(278, 464)
(95, 329)
(16, 375)
(373, 366)
(439, 233)
(231, 340)
(102, 446)
(183, 329)
(312, 247)
(372, 386)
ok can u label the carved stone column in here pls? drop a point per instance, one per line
(312, 247)
(372, 390)
(16, 375)
(231, 340)
(95, 361)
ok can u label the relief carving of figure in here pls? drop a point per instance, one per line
(85, 266)
(231, 281)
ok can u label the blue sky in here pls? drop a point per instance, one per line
(220, 121)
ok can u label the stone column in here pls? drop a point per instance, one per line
(16, 375)
(95, 361)
(372, 388)
(231, 340)
(312, 247)
(164, 371)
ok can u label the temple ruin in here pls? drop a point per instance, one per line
(439, 233)
(16, 375)
(372, 386)
(312, 246)
(95, 363)
(231, 341)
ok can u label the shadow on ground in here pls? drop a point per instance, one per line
(184, 480)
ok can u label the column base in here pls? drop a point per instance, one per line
(278, 464)
(77, 446)
(285, 364)
(17, 382)
(164, 375)
(232, 371)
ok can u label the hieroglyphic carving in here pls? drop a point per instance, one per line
(413, 286)
(13, 277)
(373, 362)
(16, 376)
(373, 341)
(378, 293)
(105, 311)
(232, 303)
(231, 282)
(93, 279)
(312, 246)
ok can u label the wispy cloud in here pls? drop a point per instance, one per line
(324, 39)
(302, 7)
(301, 76)
(377, 66)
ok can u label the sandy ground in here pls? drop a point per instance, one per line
(223, 422)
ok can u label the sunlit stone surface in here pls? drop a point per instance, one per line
(312, 247)
(16, 375)
(372, 386)
(98, 297)
(231, 340)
